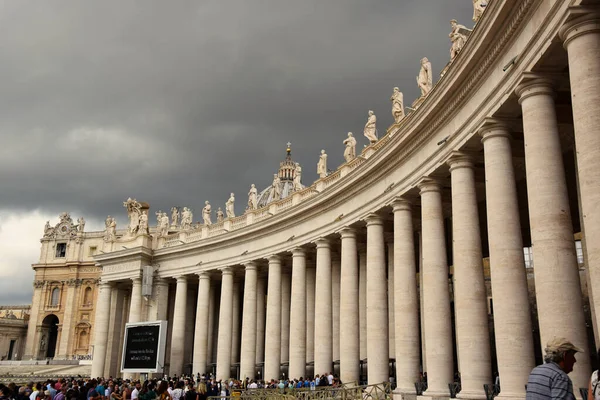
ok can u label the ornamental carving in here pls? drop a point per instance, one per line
(39, 284)
(65, 229)
(74, 282)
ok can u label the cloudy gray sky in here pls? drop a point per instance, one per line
(178, 102)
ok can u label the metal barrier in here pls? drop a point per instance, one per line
(584, 393)
(420, 387)
(491, 390)
(454, 388)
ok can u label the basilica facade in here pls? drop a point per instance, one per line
(462, 240)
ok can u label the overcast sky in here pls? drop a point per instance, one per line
(178, 102)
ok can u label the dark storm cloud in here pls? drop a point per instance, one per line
(179, 102)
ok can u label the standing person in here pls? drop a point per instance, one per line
(551, 380)
(162, 392)
(594, 387)
(135, 393)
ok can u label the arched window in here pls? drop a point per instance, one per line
(87, 296)
(54, 299)
(84, 340)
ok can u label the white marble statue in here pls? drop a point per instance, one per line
(48, 230)
(143, 223)
(187, 218)
(371, 127)
(478, 9)
(252, 198)
(425, 78)
(163, 223)
(350, 150)
(397, 100)
(110, 231)
(206, 211)
(80, 224)
(174, 217)
(322, 165)
(229, 206)
(220, 215)
(298, 178)
(276, 187)
(458, 38)
(134, 210)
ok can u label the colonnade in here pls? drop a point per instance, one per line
(417, 288)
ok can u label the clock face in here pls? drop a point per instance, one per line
(63, 229)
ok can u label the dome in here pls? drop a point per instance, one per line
(288, 170)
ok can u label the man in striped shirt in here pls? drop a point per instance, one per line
(550, 380)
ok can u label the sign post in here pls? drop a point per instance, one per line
(144, 347)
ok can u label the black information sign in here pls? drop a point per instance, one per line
(141, 347)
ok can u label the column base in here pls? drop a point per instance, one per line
(473, 395)
(401, 394)
(437, 396)
(510, 396)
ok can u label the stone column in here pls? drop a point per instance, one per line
(436, 294)
(406, 301)
(286, 289)
(560, 312)
(335, 307)
(273, 325)
(389, 241)
(581, 38)
(115, 338)
(249, 320)
(349, 311)
(135, 305)
(101, 329)
(310, 313)
(377, 315)
(362, 298)
(179, 323)
(31, 340)
(512, 322)
(236, 323)
(157, 310)
(200, 358)
(323, 323)
(212, 322)
(470, 300)
(225, 325)
(67, 322)
(297, 349)
(260, 319)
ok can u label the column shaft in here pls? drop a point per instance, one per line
(67, 323)
(236, 323)
(200, 358)
(249, 320)
(286, 289)
(260, 319)
(323, 323)
(135, 305)
(273, 325)
(179, 323)
(349, 311)
(377, 312)
(101, 329)
(362, 300)
(310, 313)
(436, 294)
(297, 349)
(335, 307)
(390, 296)
(225, 325)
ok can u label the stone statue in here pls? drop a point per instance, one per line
(458, 38)
(478, 9)
(252, 198)
(110, 232)
(425, 78)
(134, 210)
(220, 215)
(163, 223)
(206, 213)
(229, 206)
(322, 165)
(143, 223)
(43, 343)
(81, 224)
(186, 218)
(276, 188)
(48, 230)
(350, 150)
(298, 178)
(397, 100)
(174, 217)
(371, 127)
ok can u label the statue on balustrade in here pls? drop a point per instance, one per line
(397, 100)
(276, 187)
(206, 213)
(81, 224)
(220, 215)
(229, 206)
(143, 224)
(425, 78)
(371, 127)
(186, 218)
(350, 150)
(322, 165)
(134, 211)
(478, 9)
(163, 223)
(298, 178)
(48, 230)
(252, 198)
(458, 36)
(110, 231)
(174, 217)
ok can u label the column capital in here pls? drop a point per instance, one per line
(298, 252)
(181, 278)
(535, 85)
(251, 266)
(494, 127)
(429, 185)
(106, 285)
(347, 232)
(136, 280)
(401, 204)
(586, 19)
(203, 275)
(373, 219)
(322, 243)
(226, 271)
(274, 259)
(460, 160)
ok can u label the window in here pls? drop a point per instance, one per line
(55, 297)
(61, 250)
(528, 253)
(93, 250)
(579, 250)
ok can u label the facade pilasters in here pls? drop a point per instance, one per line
(225, 325)
(67, 323)
(470, 299)
(512, 322)
(273, 324)
(101, 329)
(436, 295)
(297, 347)
(377, 315)
(200, 355)
(248, 348)
(349, 314)
(323, 310)
(179, 323)
(406, 299)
